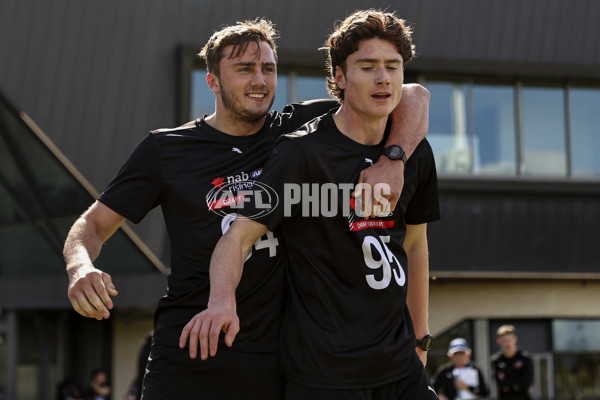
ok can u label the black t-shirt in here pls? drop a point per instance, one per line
(346, 324)
(513, 375)
(197, 175)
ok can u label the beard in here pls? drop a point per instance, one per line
(233, 103)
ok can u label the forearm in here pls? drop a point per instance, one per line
(227, 261)
(82, 245)
(410, 119)
(226, 267)
(88, 234)
(418, 296)
(418, 279)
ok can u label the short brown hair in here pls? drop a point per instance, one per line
(240, 36)
(361, 25)
(505, 330)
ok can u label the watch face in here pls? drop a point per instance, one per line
(426, 343)
(395, 152)
(429, 342)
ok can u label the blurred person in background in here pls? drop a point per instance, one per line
(513, 368)
(459, 378)
(99, 388)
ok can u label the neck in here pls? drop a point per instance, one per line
(362, 128)
(232, 125)
(510, 353)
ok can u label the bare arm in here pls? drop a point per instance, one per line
(417, 300)
(409, 125)
(226, 266)
(89, 288)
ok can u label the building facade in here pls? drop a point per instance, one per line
(514, 124)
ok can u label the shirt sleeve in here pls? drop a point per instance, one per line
(295, 115)
(137, 187)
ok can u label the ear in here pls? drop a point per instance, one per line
(340, 78)
(213, 83)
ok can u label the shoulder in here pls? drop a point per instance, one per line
(176, 131)
(524, 354)
(307, 134)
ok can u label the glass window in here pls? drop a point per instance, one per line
(448, 131)
(39, 201)
(494, 130)
(311, 87)
(203, 99)
(576, 376)
(585, 132)
(282, 95)
(576, 335)
(543, 129)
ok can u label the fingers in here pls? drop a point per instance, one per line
(378, 201)
(89, 296)
(108, 284)
(185, 333)
(83, 303)
(361, 179)
(231, 333)
(204, 330)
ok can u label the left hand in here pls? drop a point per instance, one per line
(387, 172)
(460, 385)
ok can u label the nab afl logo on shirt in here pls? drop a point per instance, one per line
(236, 192)
(256, 173)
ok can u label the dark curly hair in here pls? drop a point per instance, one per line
(361, 25)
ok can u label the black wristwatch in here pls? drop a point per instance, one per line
(426, 343)
(395, 152)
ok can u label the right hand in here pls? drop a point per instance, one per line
(90, 290)
(205, 327)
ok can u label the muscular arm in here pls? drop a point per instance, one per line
(226, 266)
(409, 125)
(89, 288)
(417, 300)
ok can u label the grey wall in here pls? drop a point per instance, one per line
(97, 75)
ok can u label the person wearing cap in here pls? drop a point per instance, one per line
(459, 378)
(513, 368)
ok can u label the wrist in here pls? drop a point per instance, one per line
(395, 152)
(225, 301)
(425, 343)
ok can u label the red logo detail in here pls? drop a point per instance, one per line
(353, 203)
(371, 223)
(226, 202)
(218, 182)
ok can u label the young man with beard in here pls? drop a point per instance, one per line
(347, 332)
(198, 174)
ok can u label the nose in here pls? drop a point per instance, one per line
(258, 79)
(382, 77)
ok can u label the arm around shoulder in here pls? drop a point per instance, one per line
(410, 118)
(409, 125)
